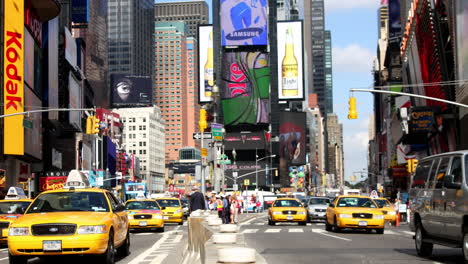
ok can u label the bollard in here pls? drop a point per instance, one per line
(236, 255)
(224, 238)
(228, 228)
(214, 222)
(397, 221)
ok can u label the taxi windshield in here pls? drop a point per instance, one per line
(356, 202)
(13, 207)
(169, 202)
(287, 203)
(141, 205)
(323, 201)
(382, 203)
(69, 202)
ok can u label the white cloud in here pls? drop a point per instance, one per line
(352, 58)
(332, 5)
(355, 151)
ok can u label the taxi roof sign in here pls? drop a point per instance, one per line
(15, 193)
(140, 196)
(77, 180)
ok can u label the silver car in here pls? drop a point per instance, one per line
(317, 208)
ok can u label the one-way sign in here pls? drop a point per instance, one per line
(198, 136)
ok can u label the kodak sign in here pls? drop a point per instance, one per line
(13, 86)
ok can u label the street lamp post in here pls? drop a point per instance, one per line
(256, 164)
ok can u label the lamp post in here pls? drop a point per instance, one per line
(234, 171)
(256, 164)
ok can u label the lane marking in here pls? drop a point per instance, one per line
(259, 224)
(157, 247)
(249, 231)
(408, 233)
(3, 258)
(3, 249)
(295, 230)
(390, 232)
(320, 224)
(272, 230)
(252, 219)
(322, 232)
(143, 234)
(309, 224)
(159, 259)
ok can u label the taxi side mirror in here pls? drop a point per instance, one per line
(119, 208)
(163, 207)
(331, 205)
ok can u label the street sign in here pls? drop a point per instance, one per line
(27, 123)
(235, 187)
(246, 182)
(204, 152)
(217, 131)
(198, 136)
(225, 162)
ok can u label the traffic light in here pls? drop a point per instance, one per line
(89, 125)
(352, 108)
(96, 125)
(411, 166)
(202, 124)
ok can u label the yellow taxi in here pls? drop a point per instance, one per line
(287, 210)
(75, 220)
(354, 211)
(387, 209)
(144, 214)
(172, 210)
(11, 209)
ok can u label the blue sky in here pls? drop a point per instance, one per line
(353, 24)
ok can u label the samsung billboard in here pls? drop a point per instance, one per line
(290, 60)
(244, 22)
(131, 90)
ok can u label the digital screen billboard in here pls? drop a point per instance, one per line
(394, 23)
(131, 90)
(80, 11)
(244, 22)
(53, 83)
(205, 63)
(246, 141)
(290, 60)
(76, 101)
(292, 138)
(245, 88)
(135, 188)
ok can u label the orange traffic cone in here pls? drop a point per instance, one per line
(397, 221)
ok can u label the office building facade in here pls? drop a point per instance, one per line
(328, 73)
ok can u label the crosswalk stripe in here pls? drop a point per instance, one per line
(320, 224)
(259, 224)
(408, 233)
(271, 230)
(249, 231)
(295, 230)
(309, 224)
(390, 232)
(144, 234)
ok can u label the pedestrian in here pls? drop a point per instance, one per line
(197, 201)
(226, 209)
(234, 209)
(219, 206)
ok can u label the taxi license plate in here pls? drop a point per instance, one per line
(166, 218)
(52, 245)
(289, 217)
(362, 223)
(143, 223)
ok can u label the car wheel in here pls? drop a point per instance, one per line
(336, 228)
(17, 259)
(124, 249)
(109, 256)
(160, 230)
(181, 223)
(302, 223)
(465, 246)
(423, 249)
(328, 227)
(380, 231)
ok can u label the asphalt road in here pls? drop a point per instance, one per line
(290, 243)
(146, 247)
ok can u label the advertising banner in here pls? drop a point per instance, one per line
(75, 97)
(244, 22)
(245, 88)
(53, 39)
(32, 23)
(290, 60)
(135, 188)
(394, 23)
(51, 183)
(421, 120)
(70, 48)
(461, 9)
(32, 125)
(292, 138)
(80, 11)
(205, 63)
(245, 141)
(131, 90)
(13, 62)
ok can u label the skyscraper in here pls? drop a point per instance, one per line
(131, 28)
(174, 84)
(328, 73)
(192, 13)
(318, 53)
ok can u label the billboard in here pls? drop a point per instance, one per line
(461, 9)
(53, 39)
(394, 23)
(75, 97)
(245, 88)
(292, 138)
(13, 94)
(135, 188)
(51, 183)
(245, 141)
(80, 11)
(205, 63)
(244, 22)
(32, 125)
(290, 60)
(131, 90)
(70, 48)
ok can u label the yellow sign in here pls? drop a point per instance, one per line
(204, 152)
(13, 99)
(246, 182)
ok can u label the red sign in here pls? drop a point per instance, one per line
(399, 171)
(51, 183)
(171, 187)
(32, 23)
